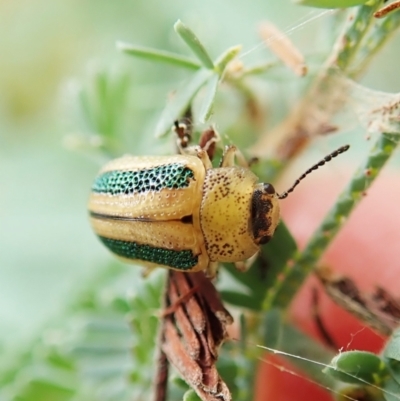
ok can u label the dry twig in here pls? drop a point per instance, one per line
(193, 328)
(378, 310)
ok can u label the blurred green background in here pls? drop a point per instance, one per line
(48, 50)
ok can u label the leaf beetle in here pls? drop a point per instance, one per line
(181, 213)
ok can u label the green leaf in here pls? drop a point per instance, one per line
(226, 57)
(392, 349)
(181, 101)
(261, 275)
(391, 390)
(239, 299)
(194, 43)
(260, 68)
(272, 328)
(357, 367)
(277, 253)
(208, 101)
(104, 101)
(394, 369)
(330, 3)
(46, 391)
(391, 356)
(160, 56)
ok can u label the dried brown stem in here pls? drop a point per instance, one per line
(379, 310)
(194, 326)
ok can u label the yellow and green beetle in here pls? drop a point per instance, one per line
(181, 213)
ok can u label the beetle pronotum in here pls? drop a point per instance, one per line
(181, 213)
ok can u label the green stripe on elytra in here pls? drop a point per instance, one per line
(182, 260)
(118, 182)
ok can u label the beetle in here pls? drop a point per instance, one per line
(181, 213)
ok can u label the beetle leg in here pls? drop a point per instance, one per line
(228, 158)
(212, 270)
(203, 156)
(244, 266)
(241, 266)
(241, 160)
(190, 150)
(146, 271)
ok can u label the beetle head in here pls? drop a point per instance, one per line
(264, 213)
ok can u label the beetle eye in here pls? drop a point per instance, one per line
(269, 189)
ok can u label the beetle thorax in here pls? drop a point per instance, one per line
(226, 212)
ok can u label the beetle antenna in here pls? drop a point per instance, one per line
(325, 160)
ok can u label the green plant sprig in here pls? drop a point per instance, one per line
(356, 29)
(208, 75)
(381, 31)
(360, 40)
(158, 56)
